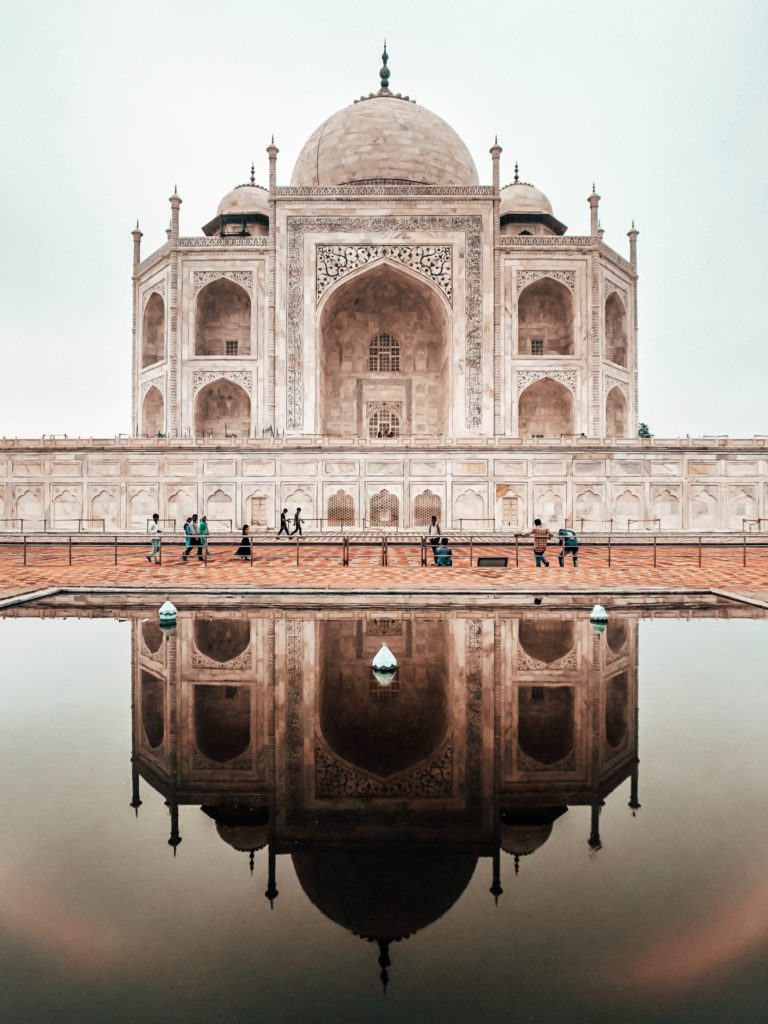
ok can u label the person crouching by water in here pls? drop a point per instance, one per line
(244, 551)
(540, 537)
(443, 554)
(154, 535)
(570, 545)
(433, 530)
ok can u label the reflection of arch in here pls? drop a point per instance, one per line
(341, 509)
(223, 320)
(617, 634)
(153, 708)
(616, 413)
(153, 331)
(545, 409)
(222, 409)
(153, 412)
(383, 300)
(616, 710)
(222, 640)
(222, 721)
(615, 331)
(383, 738)
(546, 640)
(425, 506)
(546, 729)
(545, 319)
(385, 509)
(152, 635)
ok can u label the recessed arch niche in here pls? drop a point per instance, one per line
(153, 331)
(546, 722)
(545, 409)
(615, 330)
(222, 716)
(616, 413)
(384, 301)
(222, 409)
(153, 412)
(222, 640)
(153, 708)
(546, 640)
(545, 319)
(223, 320)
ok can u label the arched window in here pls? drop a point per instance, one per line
(385, 509)
(341, 509)
(384, 420)
(384, 354)
(545, 319)
(425, 506)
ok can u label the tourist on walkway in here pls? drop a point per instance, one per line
(195, 538)
(187, 538)
(244, 551)
(204, 538)
(154, 531)
(540, 537)
(283, 524)
(570, 545)
(434, 531)
(298, 522)
(443, 554)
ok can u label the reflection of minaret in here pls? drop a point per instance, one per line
(496, 889)
(175, 838)
(634, 803)
(271, 892)
(135, 799)
(384, 963)
(594, 835)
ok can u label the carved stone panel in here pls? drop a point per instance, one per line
(434, 262)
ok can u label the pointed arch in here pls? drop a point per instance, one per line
(615, 330)
(222, 319)
(222, 409)
(153, 412)
(545, 409)
(616, 413)
(385, 509)
(545, 319)
(153, 331)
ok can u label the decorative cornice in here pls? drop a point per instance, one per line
(202, 377)
(527, 377)
(200, 278)
(393, 190)
(526, 277)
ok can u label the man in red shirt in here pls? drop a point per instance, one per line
(540, 537)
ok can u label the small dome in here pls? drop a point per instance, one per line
(244, 837)
(523, 198)
(384, 137)
(245, 199)
(524, 839)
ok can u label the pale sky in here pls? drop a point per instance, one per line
(107, 105)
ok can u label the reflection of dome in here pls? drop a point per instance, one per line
(523, 198)
(384, 137)
(524, 830)
(243, 828)
(245, 199)
(381, 892)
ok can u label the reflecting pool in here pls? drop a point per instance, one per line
(237, 820)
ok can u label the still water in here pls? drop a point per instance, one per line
(240, 822)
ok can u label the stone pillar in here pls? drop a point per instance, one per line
(596, 411)
(594, 202)
(271, 418)
(497, 376)
(632, 234)
(135, 361)
(173, 419)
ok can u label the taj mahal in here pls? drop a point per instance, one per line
(382, 340)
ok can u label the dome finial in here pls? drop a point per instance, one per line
(384, 963)
(517, 174)
(253, 173)
(384, 72)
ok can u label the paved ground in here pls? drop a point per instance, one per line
(320, 566)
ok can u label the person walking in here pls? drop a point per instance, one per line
(570, 545)
(154, 532)
(194, 527)
(204, 539)
(540, 537)
(298, 522)
(187, 538)
(434, 531)
(283, 524)
(244, 551)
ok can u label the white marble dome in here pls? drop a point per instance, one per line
(384, 137)
(245, 199)
(521, 197)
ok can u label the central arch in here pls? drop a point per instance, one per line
(222, 409)
(384, 343)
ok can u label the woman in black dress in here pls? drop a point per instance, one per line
(244, 551)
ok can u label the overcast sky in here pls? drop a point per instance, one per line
(107, 105)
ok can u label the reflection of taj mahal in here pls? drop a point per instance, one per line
(382, 340)
(385, 795)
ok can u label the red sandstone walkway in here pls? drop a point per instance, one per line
(320, 567)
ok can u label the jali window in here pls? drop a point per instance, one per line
(384, 354)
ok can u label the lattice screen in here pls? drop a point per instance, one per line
(510, 511)
(384, 419)
(425, 506)
(259, 511)
(341, 509)
(385, 509)
(384, 354)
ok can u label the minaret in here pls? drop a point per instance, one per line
(632, 235)
(496, 889)
(594, 842)
(175, 201)
(175, 838)
(498, 423)
(137, 237)
(135, 798)
(594, 202)
(496, 152)
(173, 320)
(384, 963)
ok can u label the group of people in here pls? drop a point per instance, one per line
(385, 432)
(195, 538)
(542, 535)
